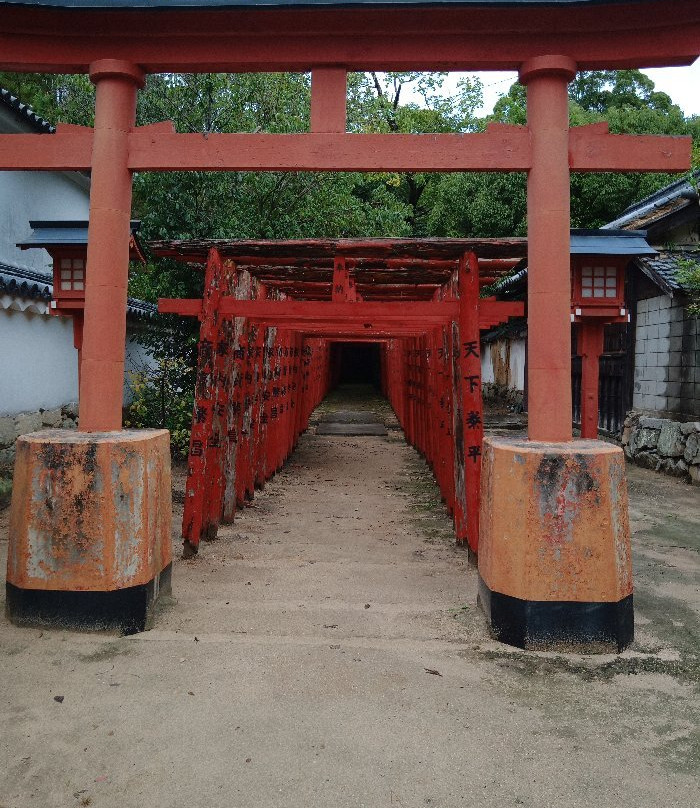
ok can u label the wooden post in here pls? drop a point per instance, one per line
(329, 100)
(78, 324)
(472, 404)
(590, 347)
(549, 285)
(107, 273)
(468, 415)
(195, 513)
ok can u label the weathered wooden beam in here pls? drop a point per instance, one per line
(500, 148)
(592, 148)
(503, 149)
(468, 38)
(249, 251)
(70, 149)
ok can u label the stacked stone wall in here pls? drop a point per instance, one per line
(501, 394)
(671, 447)
(12, 426)
(667, 358)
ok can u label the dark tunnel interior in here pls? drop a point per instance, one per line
(357, 363)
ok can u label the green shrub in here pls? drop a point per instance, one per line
(162, 399)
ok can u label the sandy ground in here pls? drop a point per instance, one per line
(326, 650)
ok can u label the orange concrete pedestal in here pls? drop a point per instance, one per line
(90, 529)
(554, 550)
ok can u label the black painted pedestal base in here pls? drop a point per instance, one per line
(539, 625)
(125, 610)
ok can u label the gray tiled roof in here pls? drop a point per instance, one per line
(664, 202)
(26, 113)
(586, 242)
(663, 269)
(31, 285)
(25, 283)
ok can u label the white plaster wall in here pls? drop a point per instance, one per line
(517, 364)
(496, 353)
(28, 195)
(38, 364)
(138, 359)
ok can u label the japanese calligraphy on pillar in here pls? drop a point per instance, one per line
(472, 427)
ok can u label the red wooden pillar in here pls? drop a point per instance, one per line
(590, 347)
(102, 371)
(216, 447)
(234, 330)
(470, 429)
(448, 415)
(78, 325)
(549, 285)
(193, 517)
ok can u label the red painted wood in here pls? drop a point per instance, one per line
(602, 36)
(504, 149)
(278, 311)
(472, 417)
(591, 148)
(186, 307)
(107, 271)
(59, 152)
(343, 289)
(329, 88)
(590, 347)
(195, 519)
(549, 292)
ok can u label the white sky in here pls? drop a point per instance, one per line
(681, 83)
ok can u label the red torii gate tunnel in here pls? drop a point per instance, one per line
(89, 535)
(260, 377)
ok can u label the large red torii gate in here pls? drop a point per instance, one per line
(547, 44)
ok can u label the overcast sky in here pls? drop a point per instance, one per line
(681, 83)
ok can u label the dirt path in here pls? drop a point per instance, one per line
(326, 650)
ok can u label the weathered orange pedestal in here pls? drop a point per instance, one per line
(90, 522)
(554, 551)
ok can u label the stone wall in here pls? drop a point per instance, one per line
(500, 394)
(12, 426)
(672, 447)
(667, 358)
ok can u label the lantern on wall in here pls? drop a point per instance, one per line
(598, 262)
(598, 288)
(68, 282)
(66, 243)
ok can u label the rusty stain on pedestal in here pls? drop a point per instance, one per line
(90, 514)
(554, 558)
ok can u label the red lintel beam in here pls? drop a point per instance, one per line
(491, 310)
(500, 310)
(503, 148)
(188, 307)
(499, 148)
(273, 310)
(592, 148)
(70, 149)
